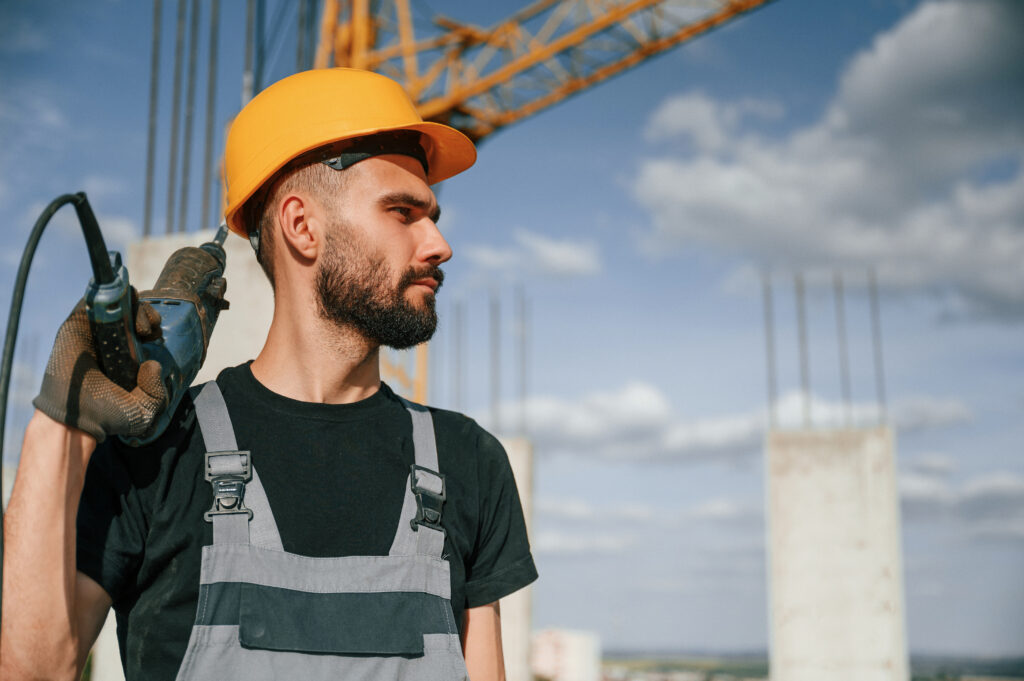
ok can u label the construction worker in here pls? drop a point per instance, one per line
(297, 520)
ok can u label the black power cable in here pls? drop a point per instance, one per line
(102, 273)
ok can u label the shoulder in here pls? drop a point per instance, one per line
(464, 442)
(458, 426)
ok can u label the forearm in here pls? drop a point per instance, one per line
(481, 643)
(39, 637)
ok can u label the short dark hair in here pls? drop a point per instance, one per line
(323, 182)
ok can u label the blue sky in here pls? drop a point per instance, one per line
(808, 136)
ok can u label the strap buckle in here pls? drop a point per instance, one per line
(227, 472)
(430, 496)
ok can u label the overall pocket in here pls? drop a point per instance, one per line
(366, 623)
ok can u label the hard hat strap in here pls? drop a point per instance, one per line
(404, 142)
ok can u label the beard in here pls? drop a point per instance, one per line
(354, 290)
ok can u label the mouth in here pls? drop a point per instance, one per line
(427, 282)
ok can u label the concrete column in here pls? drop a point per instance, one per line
(517, 608)
(106, 657)
(835, 565)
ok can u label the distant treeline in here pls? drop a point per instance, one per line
(755, 663)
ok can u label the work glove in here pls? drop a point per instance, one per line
(77, 393)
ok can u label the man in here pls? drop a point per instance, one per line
(373, 538)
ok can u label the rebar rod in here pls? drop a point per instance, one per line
(211, 98)
(172, 175)
(154, 88)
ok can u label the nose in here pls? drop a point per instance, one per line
(434, 248)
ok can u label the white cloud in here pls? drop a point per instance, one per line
(564, 257)
(933, 465)
(637, 423)
(33, 110)
(707, 124)
(118, 231)
(723, 510)
(19, 35)
(986, 507)
(538, 254)
(917, 166)
(99, 186)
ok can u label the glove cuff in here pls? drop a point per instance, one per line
(60, 415)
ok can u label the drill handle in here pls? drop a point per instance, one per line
(111, 318)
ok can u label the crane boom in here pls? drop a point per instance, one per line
(482, 79)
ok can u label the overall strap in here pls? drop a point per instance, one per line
(419, 525)
(241, 512)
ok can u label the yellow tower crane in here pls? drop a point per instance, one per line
(481, 79)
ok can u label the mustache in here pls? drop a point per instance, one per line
(412, 274)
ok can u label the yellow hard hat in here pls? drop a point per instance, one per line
(315, 108)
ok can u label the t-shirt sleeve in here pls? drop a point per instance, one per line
(111, 523)
(501, 563)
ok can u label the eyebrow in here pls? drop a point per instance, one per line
(433, 211)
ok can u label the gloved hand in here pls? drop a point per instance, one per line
(76, 393)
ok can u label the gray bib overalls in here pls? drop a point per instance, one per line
(265, 614)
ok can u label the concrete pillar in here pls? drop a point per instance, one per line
(565, 655)
(517, 608)
(106, 658)
(835, 560)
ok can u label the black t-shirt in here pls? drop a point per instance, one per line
(335, 475)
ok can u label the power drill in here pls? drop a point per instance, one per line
(188, 294)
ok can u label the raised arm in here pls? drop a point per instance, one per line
(51, 613)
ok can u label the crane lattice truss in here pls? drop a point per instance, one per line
(482, 79)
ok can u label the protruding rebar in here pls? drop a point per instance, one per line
(300, 37)
(260, 65)
(524, 336)
(211, 98)
(769, 347)
(458, 354)
(844, 355)
(805, 366)
(154, 88)
(172, 174)
(247, 77)
(190, 106)
(876, 337)
(495, 362)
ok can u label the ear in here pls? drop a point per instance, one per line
(300, 228)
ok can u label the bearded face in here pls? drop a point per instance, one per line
(357, 290)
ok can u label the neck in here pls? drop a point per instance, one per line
(311, 359)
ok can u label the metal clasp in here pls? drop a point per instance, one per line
(228, 472)
(429, 499)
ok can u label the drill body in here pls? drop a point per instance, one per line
(188, 294)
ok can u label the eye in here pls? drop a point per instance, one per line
(404, 211)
